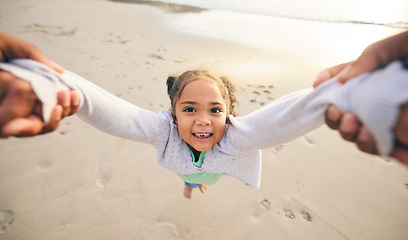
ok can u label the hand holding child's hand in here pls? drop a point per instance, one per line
(21, 110)
(376, 55)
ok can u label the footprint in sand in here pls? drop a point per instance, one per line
(48, 29)
(262, 209)
(103, 180)
(266, 204)
(156, 56)
(6, 219)
(113, 38)
(129, 90)
(306, 216)
(156, 106)
(276, 149)
(289, 214)
(260, 94)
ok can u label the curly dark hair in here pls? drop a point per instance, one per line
(176, 84)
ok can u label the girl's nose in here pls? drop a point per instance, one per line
(203, 120)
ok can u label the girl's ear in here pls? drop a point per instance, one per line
(174, 117)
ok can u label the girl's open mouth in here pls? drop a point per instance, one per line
(202, 135)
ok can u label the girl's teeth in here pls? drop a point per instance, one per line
(202, 134)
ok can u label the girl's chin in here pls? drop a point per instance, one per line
(200, 148)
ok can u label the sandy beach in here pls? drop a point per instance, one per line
(80, 183)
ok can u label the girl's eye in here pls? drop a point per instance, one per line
(216, 110)
(189, 109)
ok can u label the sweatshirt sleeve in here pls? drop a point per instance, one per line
(98, 107)
(374, 97)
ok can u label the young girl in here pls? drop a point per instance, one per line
(200, 139)
(200, 105)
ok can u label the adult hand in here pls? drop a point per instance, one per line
(376, 55)
(21, 110)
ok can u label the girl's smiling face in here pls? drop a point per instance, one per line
(201, 114)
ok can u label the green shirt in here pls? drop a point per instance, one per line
(202, 177)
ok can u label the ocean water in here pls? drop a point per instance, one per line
(391, 13)
(324, 31)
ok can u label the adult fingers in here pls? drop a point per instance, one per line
(333, 116)
(20, 127)
(32, 125)
(401, 127)
(5, 79)
(349, 127)
(365, 141)
(329, 73)
(17, 100)
(401, 134)
(347, 124)
(367, 62)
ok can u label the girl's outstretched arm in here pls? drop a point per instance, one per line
(97, 107)
(375, 98)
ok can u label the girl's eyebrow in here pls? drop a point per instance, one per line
(216, 103)
(193, 103)
(188, 102)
